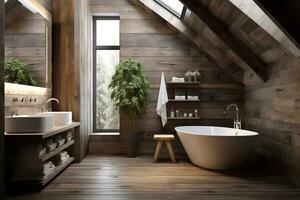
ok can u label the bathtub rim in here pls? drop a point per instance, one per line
(248, 134)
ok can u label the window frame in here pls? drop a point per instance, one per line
(95, 49)
(182, 14)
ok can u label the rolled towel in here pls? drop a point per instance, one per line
(61, 158)
(68, 136)
(177, 80)
(48, 167)
(60, 141)
(179, 97)
(51, 145)
(41, 150)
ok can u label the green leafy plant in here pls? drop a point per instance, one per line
(16, 72)
(130, 90)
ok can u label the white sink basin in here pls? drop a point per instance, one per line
(29, 123)
(60, 118)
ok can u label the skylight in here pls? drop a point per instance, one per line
(174, 6)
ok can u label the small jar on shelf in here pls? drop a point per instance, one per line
(195, 113)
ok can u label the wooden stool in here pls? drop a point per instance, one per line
(163, 138)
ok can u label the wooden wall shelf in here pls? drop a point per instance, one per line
(204, 85)
(183, 118)
(184, 100)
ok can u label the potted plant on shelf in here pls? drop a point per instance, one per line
(130, 94)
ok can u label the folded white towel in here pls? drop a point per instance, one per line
(192, 97)
(177, 80)
(179, 97)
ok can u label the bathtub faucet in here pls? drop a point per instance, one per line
(237, 123)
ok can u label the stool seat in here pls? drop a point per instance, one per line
(164, 138)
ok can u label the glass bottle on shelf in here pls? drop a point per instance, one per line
(172, 113)
(195, 113)
(177, 113)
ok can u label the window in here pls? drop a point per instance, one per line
(106, 57)
(174, 6)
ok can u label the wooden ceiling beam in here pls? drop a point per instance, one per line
(202, 44)
(221, 30)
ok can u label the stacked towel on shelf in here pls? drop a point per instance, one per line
(61, 158)
(41, 150)
(177, 80)
(51, 145)
(48, 168)
(179, 97)
(192, 97)
(69, 136)
(60, 141)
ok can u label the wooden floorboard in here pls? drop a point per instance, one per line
(111, 178)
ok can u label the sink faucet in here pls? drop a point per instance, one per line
(48, 101)
(237, 123)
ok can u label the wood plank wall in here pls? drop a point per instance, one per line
(273, 110)
(83, 58)
(25, 35)
(149, 40)
(71, 60)
(2, 99)
(64, 75)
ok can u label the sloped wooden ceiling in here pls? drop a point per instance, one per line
(227, 37)
(250, 33)
(286, 14)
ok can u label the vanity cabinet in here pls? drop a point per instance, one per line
(19, 143)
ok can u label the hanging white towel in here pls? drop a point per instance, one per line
(162, 100)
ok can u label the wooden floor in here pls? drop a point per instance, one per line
(111, 178)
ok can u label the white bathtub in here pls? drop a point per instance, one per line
(216, 147)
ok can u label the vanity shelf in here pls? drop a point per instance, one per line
(19, 141)
(56, 151)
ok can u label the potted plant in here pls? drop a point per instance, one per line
(16, 72)
(129, 92)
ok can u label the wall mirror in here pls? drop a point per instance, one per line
(28, 42)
